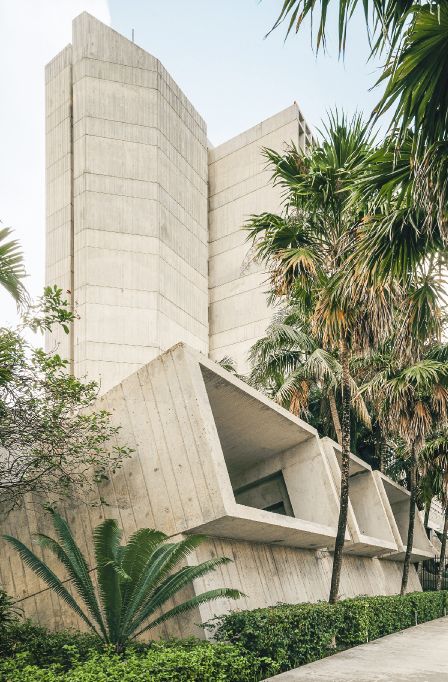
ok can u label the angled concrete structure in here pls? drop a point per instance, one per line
(144, 230)
(368, 521)
(212, 455)
(397, 501)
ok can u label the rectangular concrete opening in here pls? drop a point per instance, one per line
(274, 463)
(366, 503)
(268, 493)
(399, 501)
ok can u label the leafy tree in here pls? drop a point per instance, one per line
(135, 580)
(12, 270)
(309, 251)
(52, 440)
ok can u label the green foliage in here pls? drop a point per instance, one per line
(135, 581)
(8, 612)
(301, 633)
(52, 441)
(12, 269)
(160, 662)
(290, 635)
(41, 647)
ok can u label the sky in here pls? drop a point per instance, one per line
(215, 50)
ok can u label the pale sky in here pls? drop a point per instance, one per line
(214, 49)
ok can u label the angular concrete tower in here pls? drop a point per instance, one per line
(143, 221)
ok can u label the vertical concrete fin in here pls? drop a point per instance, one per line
(59, 187)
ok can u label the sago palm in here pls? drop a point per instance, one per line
(135, 580)
(308, 251)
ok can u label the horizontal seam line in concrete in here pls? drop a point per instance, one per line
(249, 143)
(136, 234)
(156, 146)
(155, 310)
(239, 326)
(157, 255)
(120, 177)
(236, 184)
(238, 293)
(189, 114)
(139, 125)
(241, 196)
(160, 70)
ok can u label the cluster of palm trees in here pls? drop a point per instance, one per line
(358, 270)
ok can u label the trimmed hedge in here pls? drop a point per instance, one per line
(159, 663)
(293, 635)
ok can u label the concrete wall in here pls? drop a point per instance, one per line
(239, 186)
(178, 481)
(59, 186)
(140, 205)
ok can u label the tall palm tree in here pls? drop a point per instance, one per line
(308, 251)
(12, 270)
(290, 365)
(414, 37)
(411, 401)
(434, 462)
(134, 580)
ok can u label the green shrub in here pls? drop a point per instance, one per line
(301, 633)
(159, 663)
(42, 647)
(290, 635)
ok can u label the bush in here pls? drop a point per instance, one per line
(42, 647)
(159, 663)
(301, 633)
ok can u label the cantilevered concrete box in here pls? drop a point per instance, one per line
(397, 500)
(213, 455)
(368, 518)
(243, 468)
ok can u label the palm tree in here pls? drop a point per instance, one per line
(434, 461)
(12, 269)
(291, 367)
(309, 252)
(414, 37)
(134, 580)
(411, 401)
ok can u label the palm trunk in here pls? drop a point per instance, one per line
(335, 417)
(426, 519)
(412, 507)
(441, 572)
(345, 466)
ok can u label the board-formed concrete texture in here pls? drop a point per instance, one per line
(240, 186)
(144, 221)
(368, 517)
(215, 456)
(127, 226)
(397, 501)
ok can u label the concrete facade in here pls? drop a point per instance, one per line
(201, 437)
(144, 232)
(144, 220)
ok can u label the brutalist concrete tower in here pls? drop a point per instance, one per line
(143, 220)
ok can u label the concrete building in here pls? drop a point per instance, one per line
(213, 456)
(143, 219)
(144, 230)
